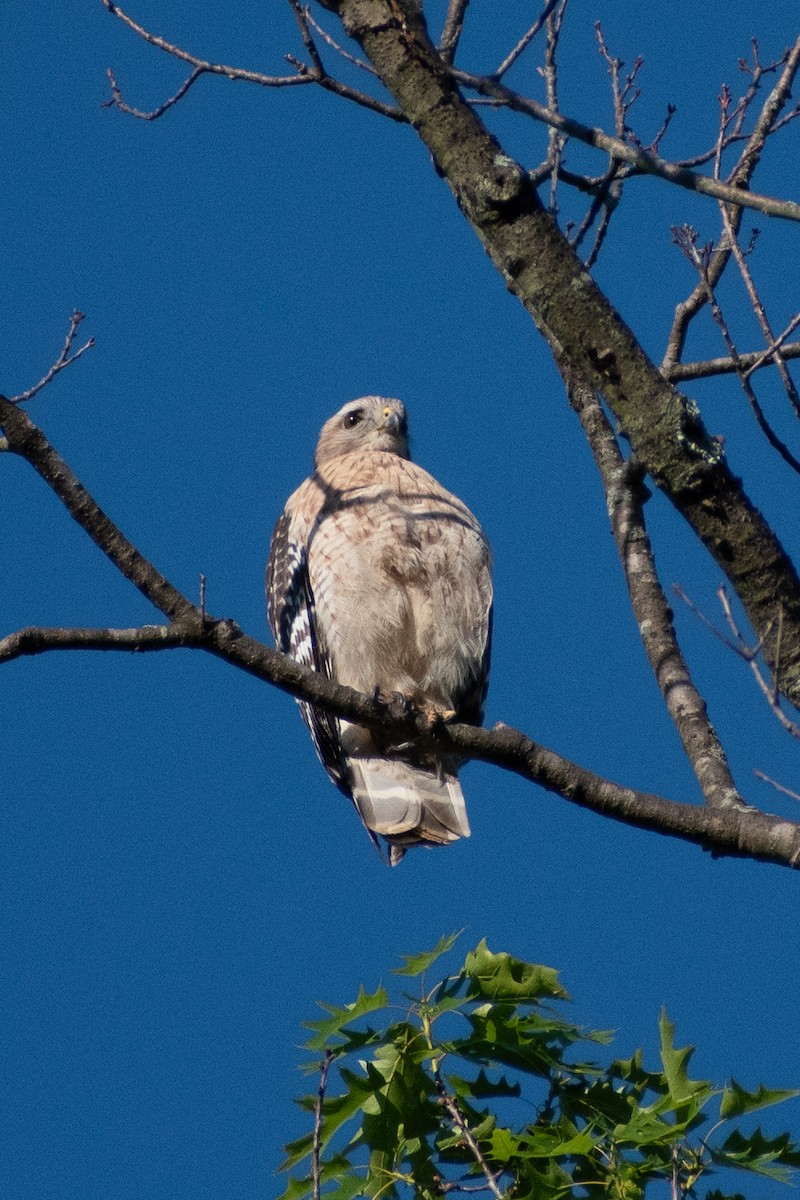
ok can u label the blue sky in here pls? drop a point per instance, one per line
(179, 883)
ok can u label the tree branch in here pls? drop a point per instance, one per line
(453, 28)
(625, 495)
(740, 832)
(65, 359)
(754, 360)
(644, 162)
(303, 74)
(741, 175)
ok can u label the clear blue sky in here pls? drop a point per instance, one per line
(179, 883)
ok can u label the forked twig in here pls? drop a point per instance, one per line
(313, 72)
(748, 653)
(770, 692)
(686, 238)
(773, 344)
(65, 359)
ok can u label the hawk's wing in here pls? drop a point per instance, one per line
(293, 621)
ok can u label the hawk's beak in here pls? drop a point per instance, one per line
(391, 420)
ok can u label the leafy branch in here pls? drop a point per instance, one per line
(439, 1101)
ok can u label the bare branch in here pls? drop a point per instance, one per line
(453, 28)
(748, 653)
(201, 64)
(778, 786)
(555, 140)
(117, 100)
(65, 359)
(773, 344)
(315, 73)
(755, 360)
(770, 693)
(525, 40)
(685, 237)
(646, 163)
(625, 495)
(709, 624)
(741, 175)
(334, 45)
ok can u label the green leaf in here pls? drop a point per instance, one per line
(482, 1087)
(415, 964)
(681, 1087)
(736, 1101)
(335, 1023)
(766, 1156)
(502, 977)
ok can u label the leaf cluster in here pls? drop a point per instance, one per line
(479, 1085)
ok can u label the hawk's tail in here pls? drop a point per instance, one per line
(408, 805)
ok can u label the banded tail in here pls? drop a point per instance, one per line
(408, 805)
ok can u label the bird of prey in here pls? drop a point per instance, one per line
(380, 579)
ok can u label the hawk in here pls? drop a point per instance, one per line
(380, 579)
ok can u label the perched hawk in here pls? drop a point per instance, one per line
(379, 578)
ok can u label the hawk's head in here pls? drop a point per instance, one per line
(371, 423)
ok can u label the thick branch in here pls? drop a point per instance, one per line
(742, 832)
(665, 430)
(625, 497)
(736, 832)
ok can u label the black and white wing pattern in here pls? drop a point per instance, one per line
(292, 619)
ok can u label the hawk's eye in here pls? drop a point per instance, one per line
(353, 418)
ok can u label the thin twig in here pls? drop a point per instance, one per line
(709, 624)
(65, 359)
(525, 40)
(316, 1172)
(153, 114)
(301, 16)
(686, 238)
(607, 196)
(769, 692)
(773, 344)
(778, 786)
(786, 352)
(555, 140)
(765, 125)
(361, 63)
(211, 68)
(457, 1117)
